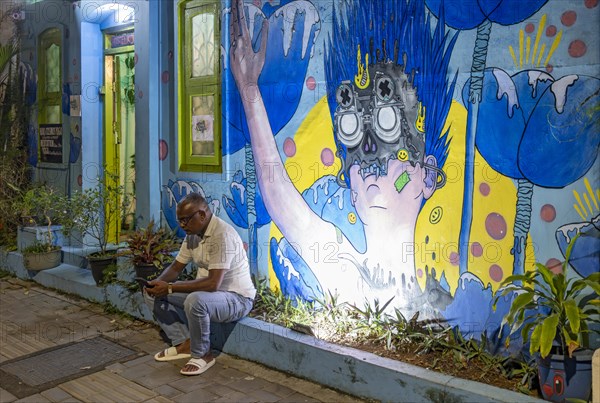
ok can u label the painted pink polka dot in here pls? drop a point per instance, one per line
(289, 147)
(568, 18)
(529, 28)
(163, 150)
(577, 48)
(484, 188)
(549, 68)
(548, 212)
(420, 273)
(257, 3)
(311, 83)
(496, 273)
(246, 246)
(495, 225)
(79, 180)
(590, 3)
(327, 157)
(551, 31)
(476, 249)
(554, 265)
(165, 77)
(454, 259)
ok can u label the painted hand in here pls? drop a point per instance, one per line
(246, 65)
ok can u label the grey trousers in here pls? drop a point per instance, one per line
(185, 316)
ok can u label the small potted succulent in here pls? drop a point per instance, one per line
(150, 249)
(556, 315)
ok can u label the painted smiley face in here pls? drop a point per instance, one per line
(436, 215)
(402, 155)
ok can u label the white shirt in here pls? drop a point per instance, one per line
(220, 248)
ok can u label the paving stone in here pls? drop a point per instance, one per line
(158, 399)
(190, 383)
(55, 394)
(199, 395)
(262, 395)
(299, 397)
(37, 398)
(248, 384)
(236, 397)
(6, 396)
(167, 391)
(279, 390)
(144, 359)
(221, 390)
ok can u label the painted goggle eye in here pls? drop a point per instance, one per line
(348, 129)
(344, 96)
(387, 123)
(384, 88)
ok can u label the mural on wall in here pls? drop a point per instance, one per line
(294, 27)
(366, 187)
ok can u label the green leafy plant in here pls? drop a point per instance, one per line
(94, 212)
(151, 246)
(550, 308)
(41, 205)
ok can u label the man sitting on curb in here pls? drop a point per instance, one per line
(222, 291)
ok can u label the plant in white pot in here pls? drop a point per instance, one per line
(37, 206)
(556, 315)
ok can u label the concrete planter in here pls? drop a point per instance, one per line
(42, 260)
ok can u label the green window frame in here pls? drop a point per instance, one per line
(199, 101)
(50, 54)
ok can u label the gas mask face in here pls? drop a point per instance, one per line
(376, 119)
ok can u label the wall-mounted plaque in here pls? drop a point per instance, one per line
(51, 148)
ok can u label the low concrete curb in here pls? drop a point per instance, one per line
(350, 370)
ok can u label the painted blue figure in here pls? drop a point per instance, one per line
(385, 94)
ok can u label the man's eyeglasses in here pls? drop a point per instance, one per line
(185, 220)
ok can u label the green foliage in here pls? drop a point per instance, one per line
(549, 308)
(41, 205)
(94, 211)
(151, 245)
(40, 247)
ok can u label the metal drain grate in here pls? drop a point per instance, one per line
(47, 368)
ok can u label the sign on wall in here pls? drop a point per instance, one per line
(51, 149)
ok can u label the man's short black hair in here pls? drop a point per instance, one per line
(194, 198)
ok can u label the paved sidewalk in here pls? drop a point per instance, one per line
(33, 319)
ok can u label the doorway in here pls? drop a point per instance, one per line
(119, 134)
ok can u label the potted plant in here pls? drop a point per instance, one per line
(554, 314)
(93, 214)
(40, 204)
(149, 249)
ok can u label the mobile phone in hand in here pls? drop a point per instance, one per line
(143, 282)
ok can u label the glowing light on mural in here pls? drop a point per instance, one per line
(580, 207)
(526, 48)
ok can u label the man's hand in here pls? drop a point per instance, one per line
(157, 288)
(246, 65)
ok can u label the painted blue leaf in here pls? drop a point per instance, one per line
(282, 79)
(561, 140)
(500, 124)
(234, 214)
(585, 254)
(296, 279)
(468, 14)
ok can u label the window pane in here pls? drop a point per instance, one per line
(53, 113)
(203, 45)
(203, 125)
(53, 68)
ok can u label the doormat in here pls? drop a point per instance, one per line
(42, 370)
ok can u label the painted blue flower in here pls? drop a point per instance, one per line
(468, 14)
